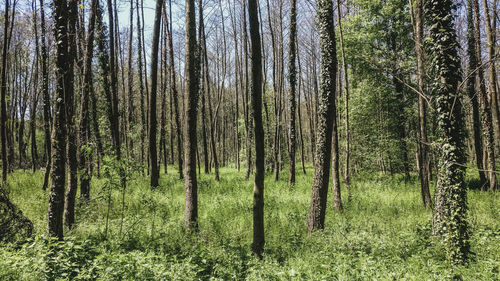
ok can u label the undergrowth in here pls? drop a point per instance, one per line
(384, 233)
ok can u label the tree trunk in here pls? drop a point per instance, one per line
(46, 98)
(472, 93)
(292, 75)
(3, 115)
(256, 92)
(192, 87)
(152, 95)
(63, 73)
(175, 96)
(485, 105)
(451, 206)
(71, 154)
(326, 116)
(492, 96)
(88, 91)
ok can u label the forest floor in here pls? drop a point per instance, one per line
(384, 233)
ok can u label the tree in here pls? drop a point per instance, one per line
(471, 92)
(451, 206)
(292, 73)
(492, 96)
(192, 90)
(152, 102)
(326, 116)
(63, 77)
(3, 114)
(485, 102)
(87, 92)
(347, 177)
(175, 98)
(46, 97)
(256, 92)
(423, 150)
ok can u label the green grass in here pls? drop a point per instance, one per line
(383, 234)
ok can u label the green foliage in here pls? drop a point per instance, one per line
(384, 233)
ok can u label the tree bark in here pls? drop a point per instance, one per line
(256, 92)
(58, 171)
(423, 150)
(451, 205)
(472, 93)
(3, 113)
(292, 76)
(326, 116)
(485, 105)
(152, 95)
(192, 88)
(175, 97)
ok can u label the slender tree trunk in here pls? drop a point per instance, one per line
(492, 97)
(256, 92)
(34, 101)
(130, 81)
(472, 93)
(451, 195)
(3, 115)
(423, 150)
(175, 97)
(486, 117)
(115, 133)
(88, 91)
(292, 76)
(141, 84)
(152, 95)
(192, 88)
(301, 88)
(326, 116)
(46, 98)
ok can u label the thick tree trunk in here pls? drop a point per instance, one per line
(451, 205)
(326, 116)
(63, 73)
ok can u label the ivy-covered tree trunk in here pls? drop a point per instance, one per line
(71, 141)
(450, 213)
(326, 116)
(58, 170)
